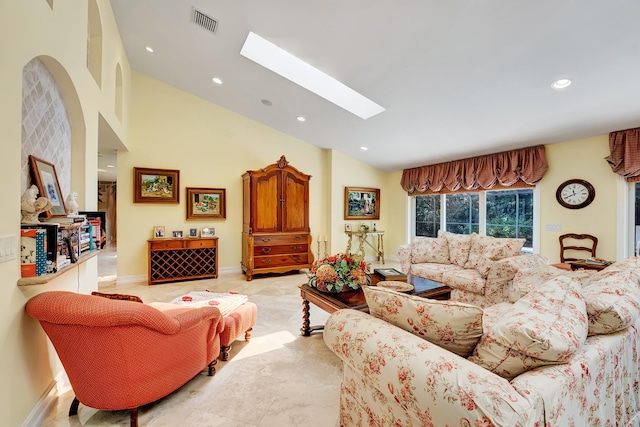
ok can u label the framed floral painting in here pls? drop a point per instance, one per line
(206, 203)
(156, 185)
(361, 203)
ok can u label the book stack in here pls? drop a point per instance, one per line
(50, 243)
(69, 219)
(33, 255)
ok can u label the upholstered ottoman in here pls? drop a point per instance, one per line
(239, 321)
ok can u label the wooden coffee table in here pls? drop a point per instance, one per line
(356, 300)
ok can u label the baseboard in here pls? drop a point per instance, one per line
(39, 412)
(229, 270)
(142, 278)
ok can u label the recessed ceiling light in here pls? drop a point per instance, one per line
(561, 84)
(364, 148)
(101, 170)
(266, 102)
(217, 80)
(301, 119)
(110, 166)
(299, 72)
(149, 49)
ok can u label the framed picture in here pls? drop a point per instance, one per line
(46, 179)
(158, 231)
(206, 203)
(361, 203)
(176, 233)
(208, 232)
(156, 185)
(347, 227)
(193, 232)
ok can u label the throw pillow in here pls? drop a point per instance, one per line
(528, 279)
(546, 326)
(454, 326)
(429, 249)
(495, 250)
(121, 297)
(613, 300)
(459, 247)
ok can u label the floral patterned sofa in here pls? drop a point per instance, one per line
(477, 268)
(566, 353)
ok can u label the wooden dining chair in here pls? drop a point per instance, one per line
(572, 244)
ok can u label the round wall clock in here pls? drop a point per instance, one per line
(575, 193)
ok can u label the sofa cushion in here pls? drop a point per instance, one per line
(613, 300)
(546, 326)
(454, 326)
(468, 280)
(433, 271)
(459, 247)
(528, 279)
(429, 249)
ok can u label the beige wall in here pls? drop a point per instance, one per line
(582, 159)
(57, 36)
(166, 128)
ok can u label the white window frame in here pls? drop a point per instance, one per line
(482, 218)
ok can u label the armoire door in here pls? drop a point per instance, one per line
(267, 202)
(295, 214)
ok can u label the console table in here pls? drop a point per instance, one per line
(185, 258)
(362, 240)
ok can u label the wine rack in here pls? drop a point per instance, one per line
(172, 260)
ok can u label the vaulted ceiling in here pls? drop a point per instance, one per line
(457, 78)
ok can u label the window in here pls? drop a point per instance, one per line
(506, 213)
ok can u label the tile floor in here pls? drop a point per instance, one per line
(279, 378)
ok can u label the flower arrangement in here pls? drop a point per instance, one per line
(338, 273)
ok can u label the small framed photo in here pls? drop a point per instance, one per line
(46, 179)
(156, 185)
(206, 203)
(347, 227)
(158, 231)
(177, 233)
(193, 232)
(208, 232)
(361, 203)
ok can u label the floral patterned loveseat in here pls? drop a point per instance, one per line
(477, 268)
(566, 353)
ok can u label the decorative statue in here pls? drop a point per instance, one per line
(31, 205)
(72, 205)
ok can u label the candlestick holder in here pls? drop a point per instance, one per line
(319, 255)
(325, 248)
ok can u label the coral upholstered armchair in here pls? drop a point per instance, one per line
(124, 354)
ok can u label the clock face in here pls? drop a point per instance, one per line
(575, 194)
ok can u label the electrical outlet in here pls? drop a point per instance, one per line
(7, 248)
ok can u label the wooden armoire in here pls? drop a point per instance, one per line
(275, 221)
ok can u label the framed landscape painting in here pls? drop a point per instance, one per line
(46, 179)
(361, 203)
(156, 185)
(206, 203)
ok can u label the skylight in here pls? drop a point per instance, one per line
(299, 72)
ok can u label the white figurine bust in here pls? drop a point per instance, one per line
(31, 205)
(71, 204)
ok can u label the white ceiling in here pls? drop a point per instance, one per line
(458, 78)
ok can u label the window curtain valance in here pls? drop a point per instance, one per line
(624, 157)
(507, 168)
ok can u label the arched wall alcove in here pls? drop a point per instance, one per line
(53, 122)
(94, 42)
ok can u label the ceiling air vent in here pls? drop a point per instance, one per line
(206, 22)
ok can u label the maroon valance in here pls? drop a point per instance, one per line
(624, 157)
(507, 168)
